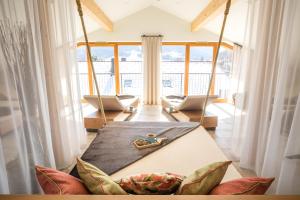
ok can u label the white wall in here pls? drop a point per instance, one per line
(152, 20)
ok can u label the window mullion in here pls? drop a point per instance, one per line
(186, 73)
(117, 70)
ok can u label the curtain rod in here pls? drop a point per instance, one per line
(238, 44)
(152, 35)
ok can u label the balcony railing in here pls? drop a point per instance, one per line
(105, 80)
(132, 83)
(172, 83)
(198, 84)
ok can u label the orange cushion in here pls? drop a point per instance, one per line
(243, 186)
(55, 182)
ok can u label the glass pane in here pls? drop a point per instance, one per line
(83, 70)
(223, 72)
(103, 59)
(131, 70)
(172, 68)
(200, 69)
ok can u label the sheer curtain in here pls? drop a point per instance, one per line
(40, 111)
(152, 77)
(235, 71)
(266, 135)
(25, 134)
(62, 80)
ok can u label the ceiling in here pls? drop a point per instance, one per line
(184, 9)
(236, 22)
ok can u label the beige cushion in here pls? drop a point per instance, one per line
(96, 180)
(188, 103)
(112, 103)
(203, 180)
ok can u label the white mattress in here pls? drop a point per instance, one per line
(182, 156)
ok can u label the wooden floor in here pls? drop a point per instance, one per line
(221, 135)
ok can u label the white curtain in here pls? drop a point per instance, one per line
(266, 136)
(235, 71)
(40, 112)
(25, 134)
(62, 80)
(152, 76)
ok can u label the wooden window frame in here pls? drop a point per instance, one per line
(187, 45)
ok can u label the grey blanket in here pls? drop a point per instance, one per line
(112, 149)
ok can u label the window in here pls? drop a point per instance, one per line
(200, 69)
(83, 71)
(223, 72)
(103, 59)
(172, 68)
(131, 70)
(125, 74)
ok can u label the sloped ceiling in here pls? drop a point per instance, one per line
(186, 10)
(152, 20)
(236, 22)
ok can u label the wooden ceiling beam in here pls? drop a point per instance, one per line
(94, 10)
(213, 8)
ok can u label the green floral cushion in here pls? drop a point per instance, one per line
(152, 183)
(96, 180)
(203, 180)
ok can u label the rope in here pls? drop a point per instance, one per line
(100, 104)
(215, 60)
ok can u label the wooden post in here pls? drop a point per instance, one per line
(186, 71)
(90, 75)
(117, 70)
(212, 89)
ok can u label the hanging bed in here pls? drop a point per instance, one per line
(189, 148)
(190, 108)
(117, 108)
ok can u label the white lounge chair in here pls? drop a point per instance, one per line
(189, 109)
(113, 103)
(117, 108)
(186, 103)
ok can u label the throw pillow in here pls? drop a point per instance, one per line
(243, 186)
(203, 180)
(151, 183)
(55, 182)
(96, 180)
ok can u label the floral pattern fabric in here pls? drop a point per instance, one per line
(152, 183)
